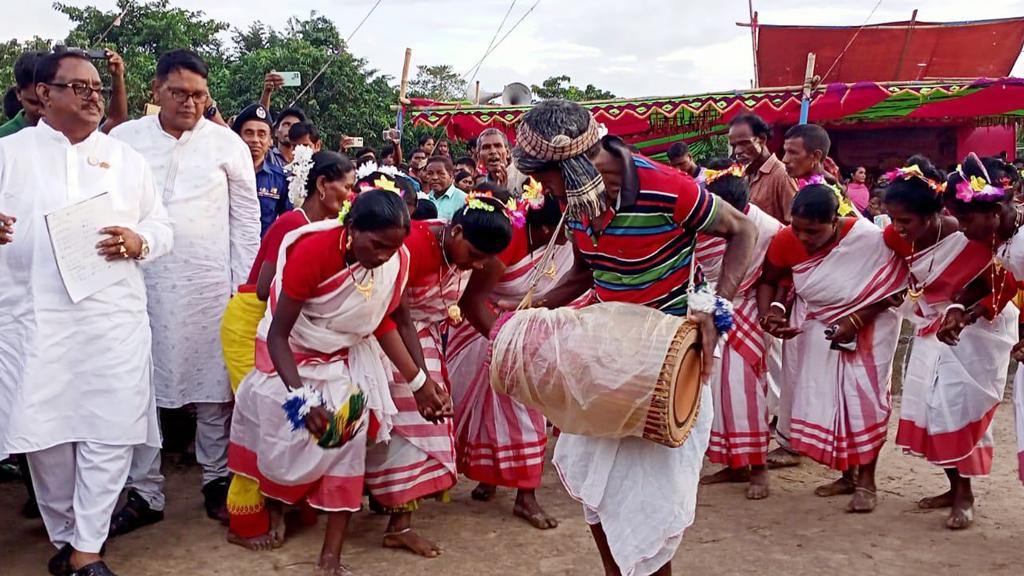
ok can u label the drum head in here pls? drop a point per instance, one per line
(687, 390)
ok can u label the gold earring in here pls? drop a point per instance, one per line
(348, 242)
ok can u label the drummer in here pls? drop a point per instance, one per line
(634, 225)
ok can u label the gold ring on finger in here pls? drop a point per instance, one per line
(120, 239)
(124, 251)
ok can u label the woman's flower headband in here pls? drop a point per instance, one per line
(733, 170)
(383, 183)
(346, 207)
(914, 171)
(976, 188)
(302, 164)
(488, 203)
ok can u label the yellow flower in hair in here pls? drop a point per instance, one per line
(533, 193)
(346, 206)
(712, 175)
(978, 184)
(475, 203)
(386, 184)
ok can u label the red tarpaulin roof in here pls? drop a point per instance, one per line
(896, 51)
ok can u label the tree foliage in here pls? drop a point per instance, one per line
(441, 83)
(561, 87)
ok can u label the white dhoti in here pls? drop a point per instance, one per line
(643, 494)
(77, 485)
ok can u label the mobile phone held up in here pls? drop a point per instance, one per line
(390, 134)
(92, 53)
(291, 78)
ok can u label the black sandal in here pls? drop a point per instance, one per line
(135, 514)
(60, 564)
(94, 569)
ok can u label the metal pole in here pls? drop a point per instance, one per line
(805, 101)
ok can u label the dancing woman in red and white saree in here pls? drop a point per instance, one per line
(419, 461)
(739, 385)
(499, 441)
(320, 184)
(981, 333)
(316, 351)
(841, 336)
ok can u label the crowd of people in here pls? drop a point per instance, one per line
(327, 317)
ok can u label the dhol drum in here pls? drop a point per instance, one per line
(611, 369)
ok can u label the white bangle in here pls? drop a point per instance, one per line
(418, 381)
(778, 305)
(959, 307)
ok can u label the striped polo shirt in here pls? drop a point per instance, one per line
(643, 255)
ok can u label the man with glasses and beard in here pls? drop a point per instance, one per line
(204, 174)
(75, 377)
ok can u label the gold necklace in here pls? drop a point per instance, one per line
(454, 310)
(915, 290)
(365, 289)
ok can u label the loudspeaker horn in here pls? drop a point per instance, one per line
(516, 94)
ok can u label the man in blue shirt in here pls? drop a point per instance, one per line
(254, 126)
(438, 176)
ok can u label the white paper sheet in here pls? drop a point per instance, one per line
(74, 232)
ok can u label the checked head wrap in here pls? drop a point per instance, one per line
(569, 139)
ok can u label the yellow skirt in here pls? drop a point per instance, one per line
(238, 334)
(246, 510)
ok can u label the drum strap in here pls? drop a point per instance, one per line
(545, 261)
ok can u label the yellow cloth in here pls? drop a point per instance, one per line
(244, 496)
(238, 334)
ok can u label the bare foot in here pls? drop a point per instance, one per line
(840, 487)
(277, 524)
(730, 475)
(944, 500)
(529, 509)
(412, 542)
(260, 543)
(863, 501)
(330, 565)
(483, 492)
(962, 514)
(758, 487)
(782, 458)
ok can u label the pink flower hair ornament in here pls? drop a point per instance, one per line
(974, 188)
(488, 203)
(914, 171)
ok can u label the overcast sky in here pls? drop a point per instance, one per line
(633, 48)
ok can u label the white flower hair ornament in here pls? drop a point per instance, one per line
(371, 167)
(302, 163)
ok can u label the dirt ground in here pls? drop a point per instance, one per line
(792, 531)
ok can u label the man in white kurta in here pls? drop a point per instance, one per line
(205, 178)
(75, 379)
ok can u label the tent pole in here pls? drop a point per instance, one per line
(753, 38)
(404, 87)
(805, 102)
(906, 45)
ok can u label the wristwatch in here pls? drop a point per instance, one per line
(144, 251)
